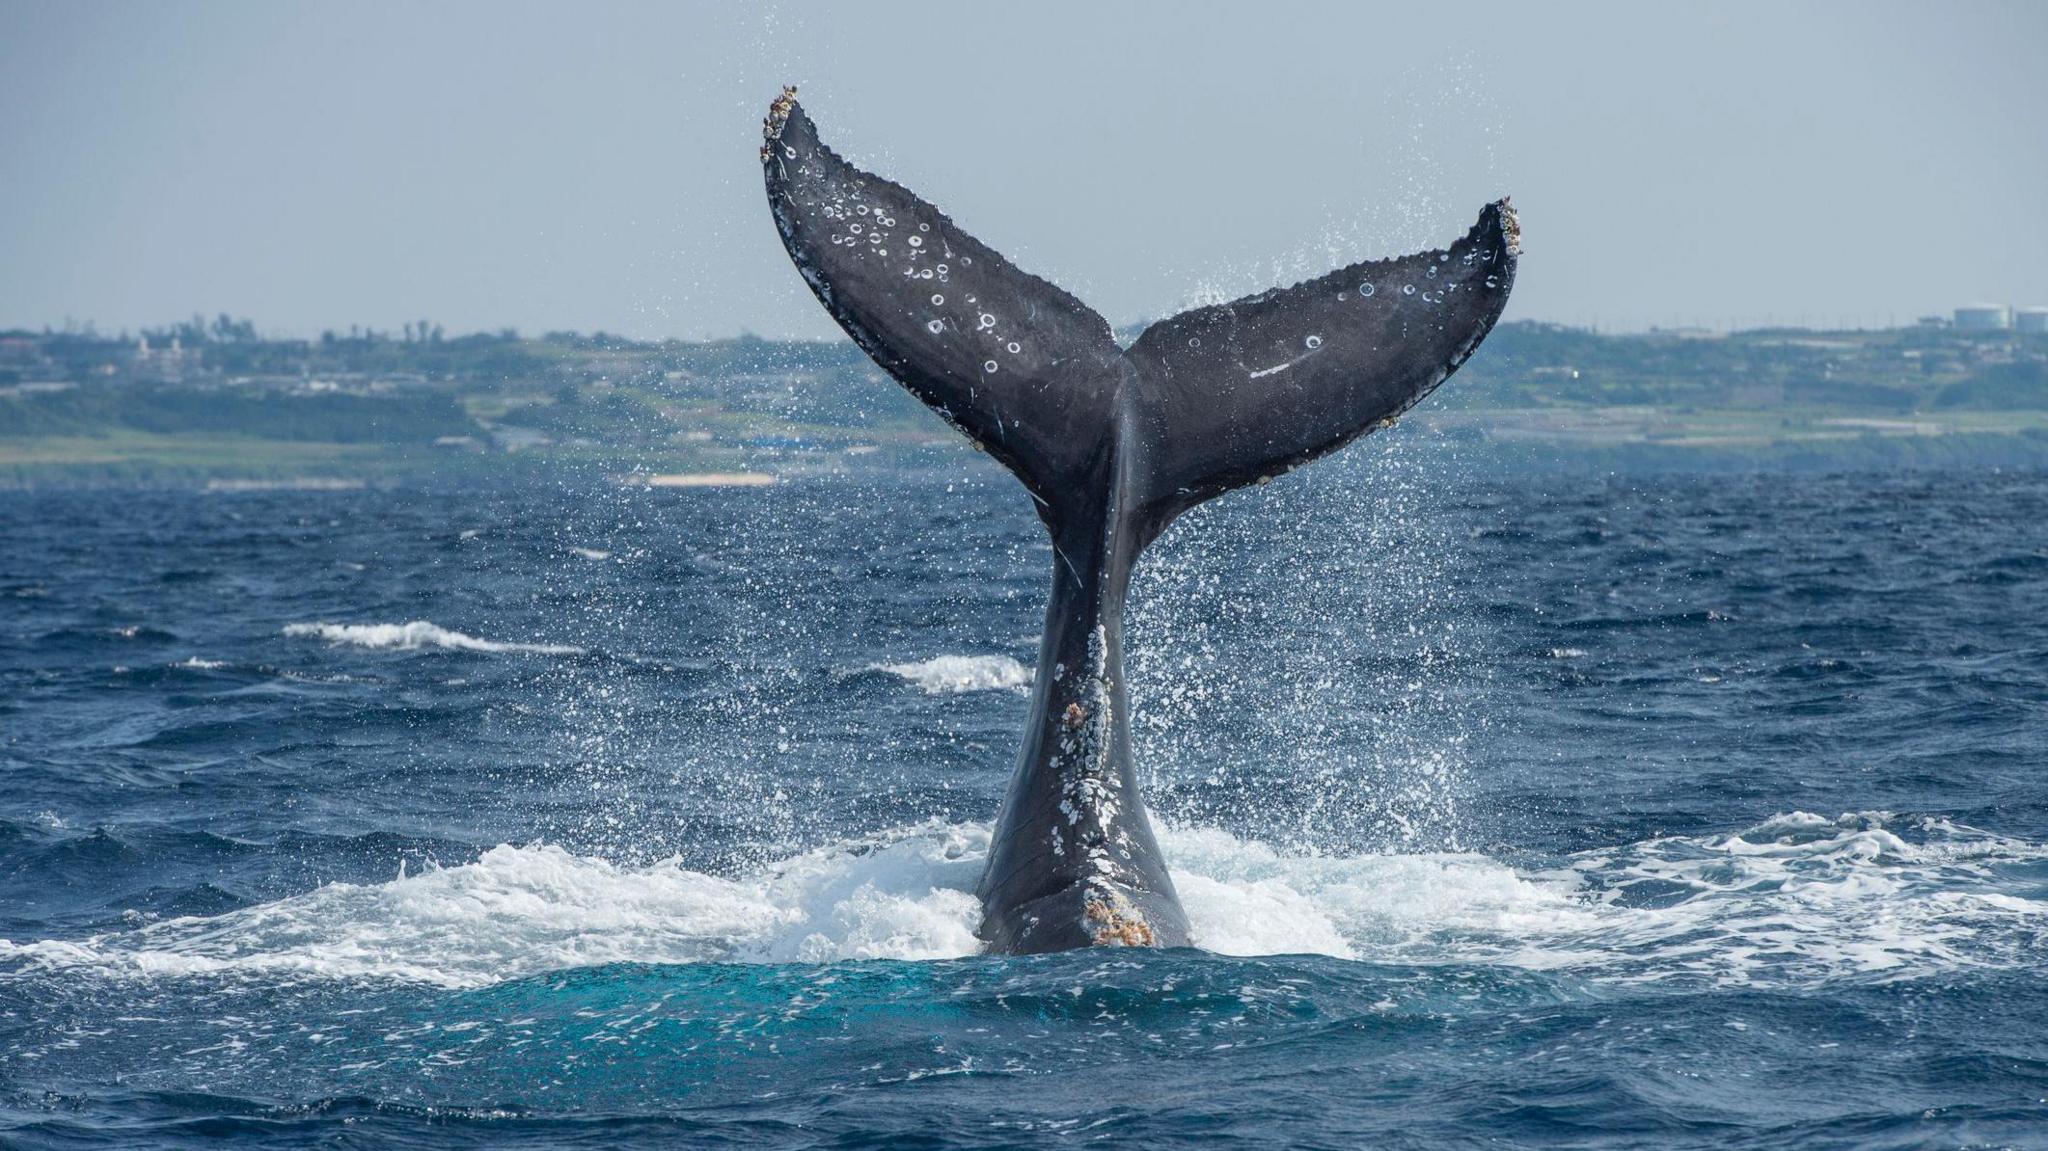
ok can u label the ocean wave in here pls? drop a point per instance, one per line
(521, 910)
(415, 636)
(950, 674)
(141, 632)
(1799, 900)
(1803, 899)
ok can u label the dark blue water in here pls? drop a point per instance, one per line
(1663, 811)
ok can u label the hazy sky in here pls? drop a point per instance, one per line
(592, 166)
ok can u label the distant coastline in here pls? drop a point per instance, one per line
(213, 403)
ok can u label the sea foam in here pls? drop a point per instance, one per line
(414, 636)
(520, 910)
(1799, 900)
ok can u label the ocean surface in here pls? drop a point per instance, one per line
(1648, 811)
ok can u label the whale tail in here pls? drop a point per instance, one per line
(1112, 444)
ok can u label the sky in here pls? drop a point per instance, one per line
(593, 166)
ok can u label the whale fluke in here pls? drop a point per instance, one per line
(1246, 390)
(1113, 445)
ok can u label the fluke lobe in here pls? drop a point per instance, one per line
(1112, 443)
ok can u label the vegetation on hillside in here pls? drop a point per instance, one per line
(421, 401)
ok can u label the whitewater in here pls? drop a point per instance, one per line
(1798, 900)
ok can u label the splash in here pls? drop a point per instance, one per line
(1299, 666)
(521, 910)
(1797, 901)
(952, 674)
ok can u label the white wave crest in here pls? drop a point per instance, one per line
(949, 674)
(1796, 901)
(414, 636)
(521, 910)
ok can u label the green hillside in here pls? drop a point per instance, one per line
(209, 400)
